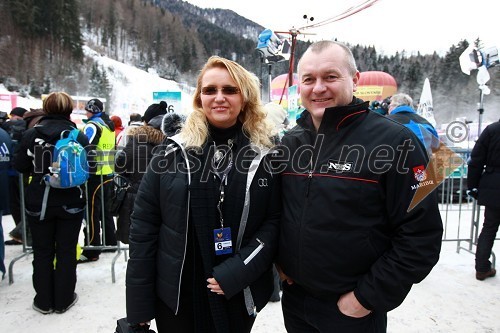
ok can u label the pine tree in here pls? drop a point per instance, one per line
(105, 86)
(47, 86)
(95, 81)
(451, 74)
(99, 85)
(413, 77)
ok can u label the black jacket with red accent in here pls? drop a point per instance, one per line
(346, 192)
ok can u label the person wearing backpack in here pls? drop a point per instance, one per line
(54, 214)
(99, 129)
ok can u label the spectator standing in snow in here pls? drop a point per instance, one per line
(5, 163)
(483, 181)
(31, 118)
(205, 221)
(350, 248)
(99, 129)
(15, 127)
(121, 139)
(56, 235)
(133, 160)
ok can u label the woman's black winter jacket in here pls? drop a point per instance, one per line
(158, 235)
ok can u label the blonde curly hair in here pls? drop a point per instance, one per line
(253, 117)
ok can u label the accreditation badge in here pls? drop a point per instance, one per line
(222, 240)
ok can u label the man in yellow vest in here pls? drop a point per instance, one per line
(100, 131)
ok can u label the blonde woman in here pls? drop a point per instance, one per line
(205, 223)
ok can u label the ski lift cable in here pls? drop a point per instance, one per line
(352, 10)
(341, 16)
(348, 12)
(294, 32)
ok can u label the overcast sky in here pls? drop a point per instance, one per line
(389, 25)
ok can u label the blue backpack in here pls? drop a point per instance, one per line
(69, 162)
(69, 165)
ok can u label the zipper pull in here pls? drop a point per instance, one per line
(309, 178)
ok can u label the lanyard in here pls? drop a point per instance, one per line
(223, 184)
(219, 159)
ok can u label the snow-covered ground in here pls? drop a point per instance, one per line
(450, 299)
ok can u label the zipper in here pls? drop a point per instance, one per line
(318, 140)
(309, 178)
(187, 227)
(254, 252)
(184, 256)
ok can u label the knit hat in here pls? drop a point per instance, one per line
(155, 110)
(94, 106)
(172, 123)
(18, 111)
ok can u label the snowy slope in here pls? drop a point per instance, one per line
(132, 88)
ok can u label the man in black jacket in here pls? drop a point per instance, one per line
(350, 247)
(483, 180)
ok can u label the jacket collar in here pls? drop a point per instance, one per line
(403, 108)
(336, 117)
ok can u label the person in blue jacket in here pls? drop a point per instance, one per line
(5, 162)
(401, 110)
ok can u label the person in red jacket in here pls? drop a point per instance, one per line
(118, 124)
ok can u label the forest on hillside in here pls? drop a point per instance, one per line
(41, 49)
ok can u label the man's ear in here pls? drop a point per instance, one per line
(355, 80)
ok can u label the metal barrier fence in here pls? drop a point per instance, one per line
(27, 249)
(461, 216)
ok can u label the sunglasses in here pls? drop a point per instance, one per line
(228, 90)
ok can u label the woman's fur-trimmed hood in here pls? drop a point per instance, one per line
(147, 134)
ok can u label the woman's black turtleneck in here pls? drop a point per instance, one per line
(222, 135)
